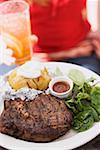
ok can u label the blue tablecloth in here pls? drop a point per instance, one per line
(4, 68)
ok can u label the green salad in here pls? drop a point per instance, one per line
(84, 102)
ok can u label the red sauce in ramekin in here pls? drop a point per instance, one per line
(61, 87)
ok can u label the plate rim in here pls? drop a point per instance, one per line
(62, 142)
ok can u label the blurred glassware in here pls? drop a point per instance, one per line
(15, 29)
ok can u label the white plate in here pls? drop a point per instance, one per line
(69, 141)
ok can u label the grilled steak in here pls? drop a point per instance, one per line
(42, 119)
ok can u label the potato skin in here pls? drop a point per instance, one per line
(41, 83)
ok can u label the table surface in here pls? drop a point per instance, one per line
(95, 143)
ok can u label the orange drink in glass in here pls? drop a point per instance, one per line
(15, 29)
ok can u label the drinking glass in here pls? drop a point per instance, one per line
(15, 29)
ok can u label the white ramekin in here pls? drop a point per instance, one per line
(59, 79)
